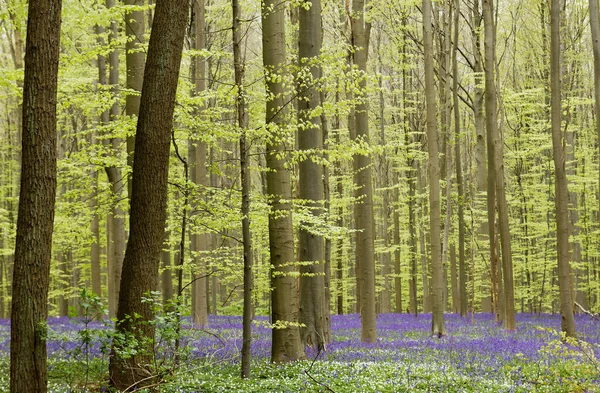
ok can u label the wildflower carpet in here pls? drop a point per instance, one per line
(476, 355)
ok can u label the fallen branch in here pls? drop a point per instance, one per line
(587, 312)
(307, 372)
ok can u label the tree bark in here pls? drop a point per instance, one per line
(149, 191)
(198, 157)
(462, 276)
(483, 229)
(561, 185)
(498, 164)
(437, 319)
(286, 344)
(95, 244)
(363, 211)
(310, 139)
(33, 245)
(242, 123)
(134, 59)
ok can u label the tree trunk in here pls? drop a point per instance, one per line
(437, 319)
(116, 219)
(595, 28)
(33, 244)
(242, 123)
(149, 191)
(363, 211)
(483, 229)
(95, 244)
(498, 164)
(134, 59)
(197, 155)
(462, 275)
(310, 139)
(286, 344)
(166, 286)
(561, 185)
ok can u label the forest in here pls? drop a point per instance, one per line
(301, 195)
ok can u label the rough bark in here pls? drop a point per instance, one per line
(33, 245)
(437, 319)
(286, 344)
(561, 186)
(149, 191)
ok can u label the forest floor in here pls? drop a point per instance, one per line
(475, 356)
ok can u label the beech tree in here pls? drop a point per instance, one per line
(33, 247)
(310, 139)
(363, 211)
(149, 192)
(561, 185)
(286, 344)
(437, 319)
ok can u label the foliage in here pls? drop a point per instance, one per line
(471, 358)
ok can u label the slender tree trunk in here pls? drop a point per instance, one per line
(310, 139)
(327, 207)
(424, 212)
(134, 59)
(437, 319)
(498, 164)
(363, 212)
(462, 275)
(116, 220)
(95, 244)
(167, 274)
(561, 185)
(286, 344)
(198, 157)
(483, 229)
(242, 123)
(149, 192)
(33, 244)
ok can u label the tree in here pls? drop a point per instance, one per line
(437, 319)
(462, 276)
(498, 164)
(363, 211)
(197, 156)
(33, 248)
(310, 139)
(134, 59)
(561, 185)
(595, 31)
(149, 192)
(116, 235)
(286, 345)
(242, 123)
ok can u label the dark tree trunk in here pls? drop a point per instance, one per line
(33, 248)
(149, 189)
(242, 123)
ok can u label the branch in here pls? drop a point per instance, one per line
(587, 312)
